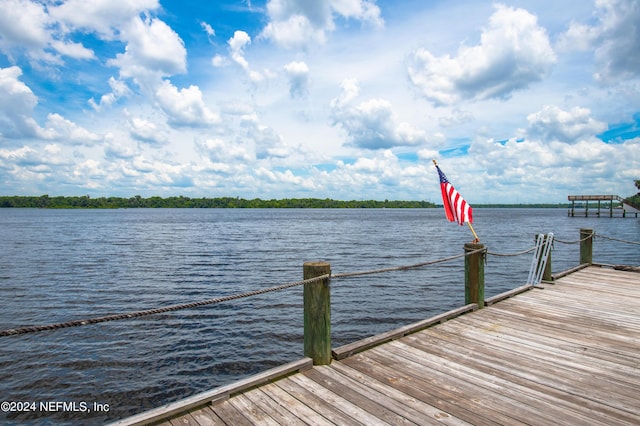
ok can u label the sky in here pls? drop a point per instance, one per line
(518, 101)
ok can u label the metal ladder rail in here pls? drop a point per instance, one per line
(540, 257)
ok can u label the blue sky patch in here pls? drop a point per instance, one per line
(621, 132)
(408, 156)
(455, 152)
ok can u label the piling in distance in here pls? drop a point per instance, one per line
(317, 313)
(474, 275)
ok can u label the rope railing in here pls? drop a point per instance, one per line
(619, 240)
(406, 267)
(115, 317)
(592, 235)
(136, 314)
(520, 253)
(140, 313)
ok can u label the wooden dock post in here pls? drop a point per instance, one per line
(317, 313)
(586, 246)
(474, 275)
(611, 207)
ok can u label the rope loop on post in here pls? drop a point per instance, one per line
(592, 235)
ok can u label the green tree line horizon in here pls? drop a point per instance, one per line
(87, 202)
(137, 201)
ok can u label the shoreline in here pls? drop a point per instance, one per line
(86, 202)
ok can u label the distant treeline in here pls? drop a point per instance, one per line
(634, 200)
(86, 202)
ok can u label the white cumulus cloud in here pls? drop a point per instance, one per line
(268, 143)
(296, 23)
(554, 124)
(59, 128)
(119, 89)
(17, 102)
(298, 75)
(224, 158)
(105, 17)
(184, 107)
(372, 124)
(614, 38)
(237, 44)
(26, 27)
(514, 51)
(24, 24)
(546, 171)
(148, 131)
(218, 150)
(44, 31)
(153, 50)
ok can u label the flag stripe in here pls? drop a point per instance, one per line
(455, 207)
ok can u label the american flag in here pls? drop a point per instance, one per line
(455, 207)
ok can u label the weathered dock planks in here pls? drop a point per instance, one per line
(563, 353)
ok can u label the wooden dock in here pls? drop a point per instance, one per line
(613, 203)
(562, 353)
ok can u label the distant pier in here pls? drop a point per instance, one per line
(613, 203)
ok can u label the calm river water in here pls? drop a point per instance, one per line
(60, 265)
